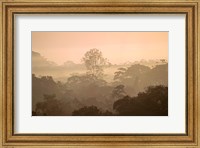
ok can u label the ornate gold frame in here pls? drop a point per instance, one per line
(11, 7)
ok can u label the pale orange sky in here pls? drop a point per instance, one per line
(118, 47)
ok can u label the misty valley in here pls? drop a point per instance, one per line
(97, 87)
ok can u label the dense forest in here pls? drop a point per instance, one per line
(133, 89)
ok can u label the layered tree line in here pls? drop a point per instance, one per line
(136, 90)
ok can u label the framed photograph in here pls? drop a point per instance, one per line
(96, 73)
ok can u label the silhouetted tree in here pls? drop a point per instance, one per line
(131, 72)
(91, 111)
(119, 75)
(94, 62)
(87, 111)
(118, 92)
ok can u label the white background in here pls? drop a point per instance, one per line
(173, 123)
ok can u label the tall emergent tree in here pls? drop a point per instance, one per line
(94, 62)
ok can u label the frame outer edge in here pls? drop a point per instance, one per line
(197, 77)
(1, 74)
(102, 1)
(198, 74)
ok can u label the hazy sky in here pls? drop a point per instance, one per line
(118, 47)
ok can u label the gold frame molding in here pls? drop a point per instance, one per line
(10, 8)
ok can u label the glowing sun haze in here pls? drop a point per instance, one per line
(118, 47)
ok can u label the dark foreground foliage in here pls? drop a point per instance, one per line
(152, 102)
(91, 111)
